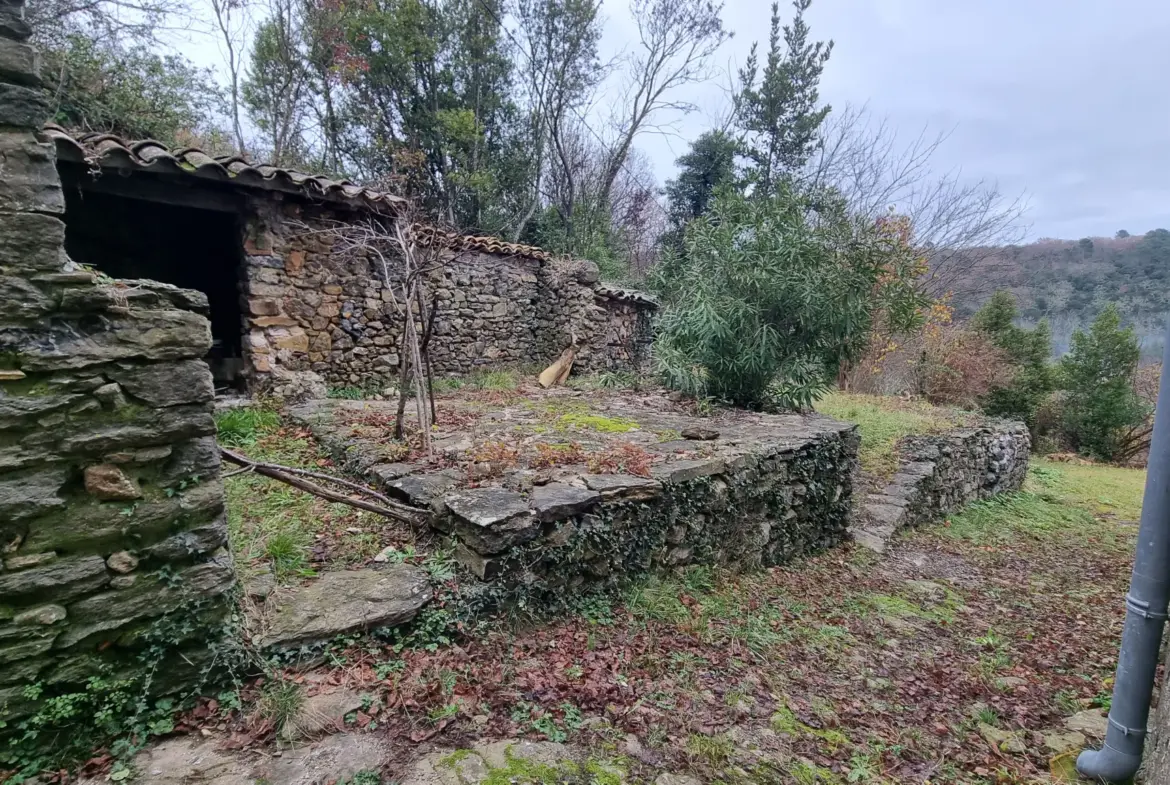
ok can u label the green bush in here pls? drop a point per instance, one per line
(1097, 374)
(769, 296)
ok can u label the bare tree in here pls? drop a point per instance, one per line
(560, 69)
(231, 22)
(404, 254)
(960, 222)
(141, 20)
(676, 38)
(276, 86)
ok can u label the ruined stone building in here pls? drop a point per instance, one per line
(260, 242)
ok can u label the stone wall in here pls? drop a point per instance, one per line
(645, 485)
(309, 307)
(760, 508)
(111, 510)
(939, 475)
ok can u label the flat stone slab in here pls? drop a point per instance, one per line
(685, 471)
(558, 501)
(624, 487)
(422, 489)
(185, 760)
(1090, 722)
(322, 713)
(342, 602)
(491, 520)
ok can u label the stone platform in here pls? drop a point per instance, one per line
(552, 490)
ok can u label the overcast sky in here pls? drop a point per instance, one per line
(1067, 101)
(1064, 101)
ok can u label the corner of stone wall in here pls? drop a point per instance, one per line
(939, 474)
(280, 299)
(111, 508)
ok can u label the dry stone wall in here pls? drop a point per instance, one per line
(939, 475)
(111, 510)
(311, 308)
(760, 507)
(742, 491)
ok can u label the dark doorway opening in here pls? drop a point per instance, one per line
(193, 248)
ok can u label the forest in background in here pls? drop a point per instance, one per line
(1069, 282)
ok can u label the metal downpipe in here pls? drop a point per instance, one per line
(1145, 614)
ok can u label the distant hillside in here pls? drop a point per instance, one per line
(1070, 280)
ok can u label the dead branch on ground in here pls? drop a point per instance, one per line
(294, 477)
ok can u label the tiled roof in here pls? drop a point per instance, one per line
(429, 235)
(109, 151)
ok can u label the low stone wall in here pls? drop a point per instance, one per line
(758, 509)
(111, 508)
(741, 491)
(938, 475)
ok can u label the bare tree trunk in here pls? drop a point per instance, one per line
(403, 380)
(231, 41)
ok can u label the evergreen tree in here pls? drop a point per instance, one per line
(779, 118)
(709, 164)
(1097, 375)
(1028, 350)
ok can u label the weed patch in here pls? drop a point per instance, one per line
(241, 427)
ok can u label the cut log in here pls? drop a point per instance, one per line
(559, 371)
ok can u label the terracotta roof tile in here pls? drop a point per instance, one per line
(625, 295)
(109, 151)
(113, 152)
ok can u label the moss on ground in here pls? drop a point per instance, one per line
(595, 422)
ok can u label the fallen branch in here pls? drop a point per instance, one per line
(292, 476)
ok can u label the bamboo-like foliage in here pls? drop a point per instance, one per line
(770, 295)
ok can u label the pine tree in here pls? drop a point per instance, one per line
(779, 118)
(1097, 375)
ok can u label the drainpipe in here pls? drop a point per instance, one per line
(1145, 613)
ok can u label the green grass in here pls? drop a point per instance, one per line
(270, 522)
(882, 421)
(1103, 490)
(351, 393)
(1058, 500)
(446, 384)
(280, 702)
(494, 380)
(243, 426)
(715, 751)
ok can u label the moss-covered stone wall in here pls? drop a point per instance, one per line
(111, 508)
(942, 473)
